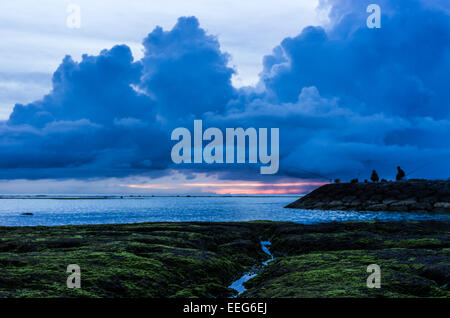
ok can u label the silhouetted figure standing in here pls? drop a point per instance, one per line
(374, 177)
(400, 174)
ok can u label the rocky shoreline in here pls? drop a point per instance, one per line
(401, 196)
(202, 259)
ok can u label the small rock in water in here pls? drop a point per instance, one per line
(27, 213)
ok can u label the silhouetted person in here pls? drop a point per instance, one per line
(374, 177)
(400, 174)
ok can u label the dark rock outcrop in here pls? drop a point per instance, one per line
(401, 196)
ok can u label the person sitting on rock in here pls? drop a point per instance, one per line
(400, 174)
(374, 177)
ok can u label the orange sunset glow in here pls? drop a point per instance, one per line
(235, 187)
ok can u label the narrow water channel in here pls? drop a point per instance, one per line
(238, 285)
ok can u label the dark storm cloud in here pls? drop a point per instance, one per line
(185, 71)
(400, 69)
(347, 99)
(92, 123)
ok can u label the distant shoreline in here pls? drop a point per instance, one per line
(109, 197)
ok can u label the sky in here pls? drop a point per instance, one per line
(247, 30)
(91, 109)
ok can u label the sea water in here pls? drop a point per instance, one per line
(99, 210)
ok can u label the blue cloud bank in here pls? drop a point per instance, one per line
(347, 99)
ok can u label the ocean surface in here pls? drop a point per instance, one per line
(78, 210)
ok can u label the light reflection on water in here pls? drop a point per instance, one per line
(177, 209)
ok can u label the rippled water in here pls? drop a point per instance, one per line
(175, 209)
